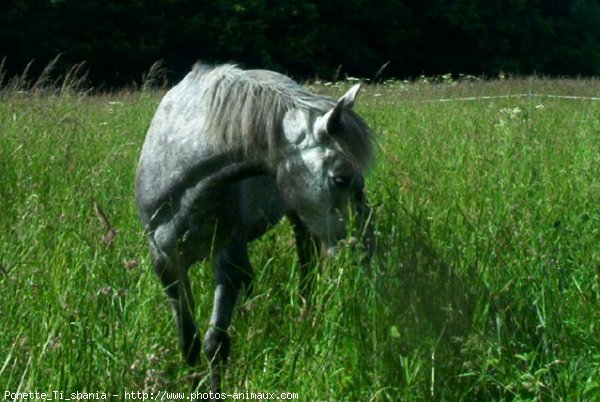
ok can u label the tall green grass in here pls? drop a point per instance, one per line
(485, 285)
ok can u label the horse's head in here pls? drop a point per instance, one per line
(321, 177)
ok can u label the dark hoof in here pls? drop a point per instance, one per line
(191, 348)
(216, 345)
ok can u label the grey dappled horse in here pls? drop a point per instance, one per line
(228, 154)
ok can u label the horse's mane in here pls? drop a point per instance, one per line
(246, 109)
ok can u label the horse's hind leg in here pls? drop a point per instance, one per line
(232, 271)
(172, 272)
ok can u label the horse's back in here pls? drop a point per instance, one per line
(175, 142)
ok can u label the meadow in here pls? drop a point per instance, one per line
(485, 285)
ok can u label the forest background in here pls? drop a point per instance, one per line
(120, 39)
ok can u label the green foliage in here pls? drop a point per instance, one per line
(485, 285)
(120, 39)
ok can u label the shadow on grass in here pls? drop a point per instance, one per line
(456, 335)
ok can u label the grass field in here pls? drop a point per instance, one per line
(485, 285)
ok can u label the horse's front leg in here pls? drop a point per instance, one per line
(232, 272)
(306, 248)
(172, 272)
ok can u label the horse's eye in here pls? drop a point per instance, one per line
(340, 181)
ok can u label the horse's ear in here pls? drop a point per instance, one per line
(295, 126)
(334, 116)
(347, 100)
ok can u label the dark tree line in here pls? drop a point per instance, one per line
(119, 39)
